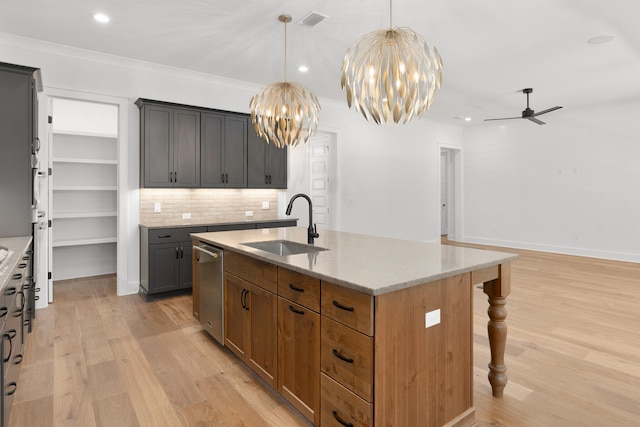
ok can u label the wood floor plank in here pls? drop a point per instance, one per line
(150, 403)
(115, 410)
(33, 413)
(105, 380)
(72, 405)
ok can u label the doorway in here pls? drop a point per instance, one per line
(450, 192)
(86, 138)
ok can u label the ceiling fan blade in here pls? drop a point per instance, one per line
(547, 110)
(503, 118)
(534, 120)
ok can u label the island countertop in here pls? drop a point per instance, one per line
(369, 264)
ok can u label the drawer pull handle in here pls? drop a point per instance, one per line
(10, 291)
(337, 354)
(164, 236)
(295, 310)
(292, 287)
(3, 311)
(16, 276)
(342, 307)
(340, 420)
(11, 388)
(17, 359)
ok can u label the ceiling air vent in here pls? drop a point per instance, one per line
(312, 18)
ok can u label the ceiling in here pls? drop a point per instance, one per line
(492, 49)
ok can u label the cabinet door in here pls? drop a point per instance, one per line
(186, 148)
(211, 160)
(235, 151)
(299, 358)
(164, 267)
(256, 167)
(158, 146)
(186, 270)
(263, 348)
(235, 327)
(276, 161)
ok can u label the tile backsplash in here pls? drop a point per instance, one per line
(206, 205)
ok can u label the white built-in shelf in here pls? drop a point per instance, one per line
(82, 242)
(84, 161)
(70, 215)
(85, 188)
(82, 133)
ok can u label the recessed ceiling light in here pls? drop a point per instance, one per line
(303, 68)
(101, 17)
(467, 119)
(605, 38)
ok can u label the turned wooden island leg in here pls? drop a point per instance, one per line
(497, 291)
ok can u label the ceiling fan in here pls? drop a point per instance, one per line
(528, 113)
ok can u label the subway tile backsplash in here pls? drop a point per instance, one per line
(206, 205)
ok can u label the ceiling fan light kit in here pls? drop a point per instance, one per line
(391, 75)
(528, 113)
(285, 113)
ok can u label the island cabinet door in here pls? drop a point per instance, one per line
(299, 357)
(262, 353)
(235, 326)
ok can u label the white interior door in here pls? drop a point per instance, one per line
(444, 193)
(320, 180)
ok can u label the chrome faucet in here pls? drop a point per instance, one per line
(312, 231)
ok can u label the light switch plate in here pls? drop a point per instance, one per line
(431, 318)
(186, 216)
(265, 204)
(157, 208)
(248, 213)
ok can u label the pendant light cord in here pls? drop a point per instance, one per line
(391, 14)
(285, 51)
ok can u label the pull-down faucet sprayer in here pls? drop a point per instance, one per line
(312, 230)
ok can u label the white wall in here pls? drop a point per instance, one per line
(570, 186)
(388, 176)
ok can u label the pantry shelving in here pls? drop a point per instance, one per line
(84, 200)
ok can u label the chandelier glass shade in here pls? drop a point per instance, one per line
(285, 113)
(391, 75)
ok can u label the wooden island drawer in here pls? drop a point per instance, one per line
(346, 355)
(340, 407)
(349, 307)
(252, 270)
(299, 288)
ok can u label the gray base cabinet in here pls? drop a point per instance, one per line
(165, 261)
(166, 254)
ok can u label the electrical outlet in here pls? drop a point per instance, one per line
(248, 213)
(186, 216)
(157, 208)
(265, 204)
(431, 318)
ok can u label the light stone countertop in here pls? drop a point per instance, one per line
(369, 264)
(16, 246)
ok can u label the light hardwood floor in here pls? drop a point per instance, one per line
(95, 359)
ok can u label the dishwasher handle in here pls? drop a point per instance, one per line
(214, 255)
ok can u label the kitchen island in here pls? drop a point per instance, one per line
(361, 330)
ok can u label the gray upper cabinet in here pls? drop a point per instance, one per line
(223, 148)
(170, 138)
(184, 146)
(267, 165)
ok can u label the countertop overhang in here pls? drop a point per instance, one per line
(369, 264)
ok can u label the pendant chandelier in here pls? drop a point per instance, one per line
(285, 113)
(391, 75)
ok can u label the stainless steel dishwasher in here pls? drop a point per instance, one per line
(210, 280)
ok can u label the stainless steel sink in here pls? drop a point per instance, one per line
(284, 247)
